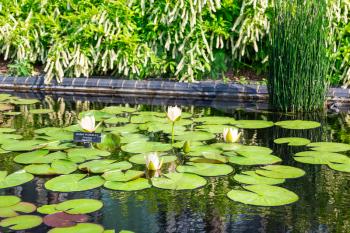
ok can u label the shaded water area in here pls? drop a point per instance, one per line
(324, 194)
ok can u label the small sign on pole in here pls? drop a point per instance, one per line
(87, 137)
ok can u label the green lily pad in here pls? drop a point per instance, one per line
(6, 201)
(39, 156)
(118, 109)
(210, 158)
(16, 209)
(24, 101)
(216, 120)
(41, 111)
(99, 115)
(6, 138)
(320, 157)
(203, 149)
(205, 169)
(23, 145)
(292, 141)
(58, 167)
(180, 144)
(253, 150)
(329, 146)
(14, 179)
(140, 119)
(129, 138)
(132, 185)
(154, 127)
(129, 128)
(12, 113)
(298, 124)
(116, 120)
(80, 155)
(179, 181)
(76, 206)
(251, 177)
(74, 183)
(140, 159)
(109, 142)
(217, 129)
(79, 228)
(21, 222)
(145, 147)
(101, 166)
(121, 176)
(7, 130)
(342, 167)
(281, 171)
(253, 124)
(258, 159)
(263, 195)
(150, 113)
(194, 136)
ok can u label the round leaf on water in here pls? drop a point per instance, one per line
(292, 141)
(80, 206)
(210, 158)
(140, 119)
(14, 179)
(329, 146)
(109, 142)
(133, 185)
(39, 156)
(145, 147)
(263, 195)
(125, 129)
(23, 145)
(298, 124)
(320, 157)
(129, 138)
(122, 176)
(280, 171)
(62, 219)
(216, 120)
(24, 101)
(194, 136)
(342, 167)
(205, 169)
(79, 228)
(258, 159)
(253, 124)
(21, 222)
(116, 120)
(74, 183)
(217, 129)
(179, 181)
(140, 159)
(150, 113)
(41, 111)
(253, 150)
(101, 166)
(6, 138)
(180, 144)
(117, 109)
(80, 155)
(251, 177)
(154, 127)
(16, 209)
(7, 130)
(58, 167)
(99, 115)
(204, 149)
(6, 201)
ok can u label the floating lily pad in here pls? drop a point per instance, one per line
(194, 136)
(329, 146)
(145, 147)
(101, 166)
(129, 128)
(298, 124)
(179, 181)
(253, 124)
(6, 201)
(150, 113)
(258, 159)
(80, 155)
(21, 222)
(140, 159)
(109, 142)
(129, 138)
(122, 176)
(216, 120)
(11, 206)
(58, 167)
(79, 228)
(62, 219)
(253, 150)
(6, 138)
(41, 111)
(320, 157)
(292, 141)
(24, 101)
(76, 206)
(7, 130)
(204, 149)
(263, 195)
(206, 169)
(210, 158)
(116, 120)
(251, 177)
(180, 144)
(14, 179)
(342, 167)
(281, 171)
(74, 183)
(118, 109)
(99, 115)
(140, 119)
(154, 127)
(39, 156)
(23, 145)
(217, 129)
(133, 185)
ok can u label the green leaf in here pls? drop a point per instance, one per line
(205, 169)
(216, 120)
(23, 145)
(217, 129)
(258, 159)
(329, 146)
(118, 109)
(6, 201)
(194, 136)
(14, 210)
(21, 222)
(80, 155)
(145, 147)
(76, 206)
(79, 228)
(133, 185)
(14, 179)
(179, 181)
(251, 177)
(298, 124)
(101, 166)
(57, 167)
(74, 183)
(122, 176)
(253, 124)
(116, 120)
(320, 157)
(140, 159)
(281, 171)
(292, 141)
(7, 130)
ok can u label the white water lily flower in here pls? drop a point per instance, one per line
(88, 123)
(153, 163)
(174, 113)
(231, 135)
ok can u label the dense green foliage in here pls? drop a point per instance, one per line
(186, 39)
(299, 61)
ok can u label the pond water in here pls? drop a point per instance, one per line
(323, 204)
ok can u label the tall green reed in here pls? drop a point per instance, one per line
(299, 61)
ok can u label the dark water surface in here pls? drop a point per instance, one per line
(324, 204)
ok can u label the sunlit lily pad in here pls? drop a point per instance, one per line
(11, 206)
(204, 149)
(101, 166)
(133, 137)
(140, 159)
(129, 128)
(23, 145)
(154, 127)
(118, 109)
(205, 169)
(263, 195)
(74, 183)
(342, 167)
(122, 176)
(320, 157)
(116, 120)
(76, 206)
(258, 159)
(41, 111)
(62, 219)
(39, 156)
(216, 120)
(109, 142)
(251, 177)
(7, 130)
(179, 181)
(253, 150)
(21, 222)
(194, 136)
(140, 119)
(14, 179)
(7, 138)
(24, 101)
(180, 144)
(329, 146)
(253, 124)
(280, 171)
(150, 113)
(210, 158)
(99, 115)
(58, 167)
(6, 201)
(79, 228)
(298, 124)
(292, 141)
(133, 185)
(217, 129)
(80, 155)
(145, 147)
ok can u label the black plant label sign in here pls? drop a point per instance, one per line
(87, 137)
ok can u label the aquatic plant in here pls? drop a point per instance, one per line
(174, 114)
(153, 162)
(231, 135)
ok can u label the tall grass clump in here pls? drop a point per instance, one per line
(299, 61)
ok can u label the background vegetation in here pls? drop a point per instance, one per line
(185, 39)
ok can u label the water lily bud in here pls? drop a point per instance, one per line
(87, 123)
(231, 135)
(153, 162)
(186, 147)
(174, 113)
